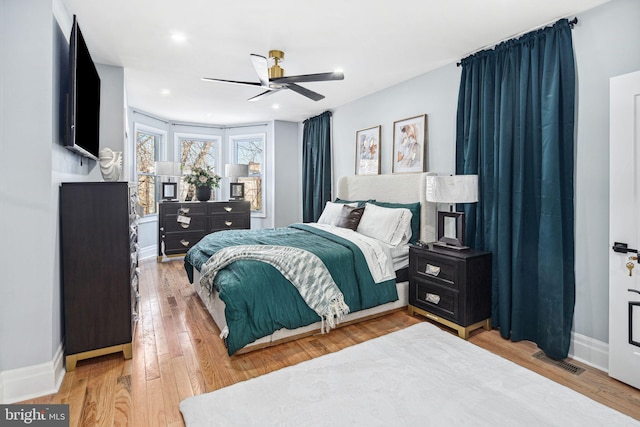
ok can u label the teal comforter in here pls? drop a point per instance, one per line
(259, 300)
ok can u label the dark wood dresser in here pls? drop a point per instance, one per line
(182, 224)
(451, 287)
(99, 251)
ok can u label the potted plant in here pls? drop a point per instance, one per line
(204, 179)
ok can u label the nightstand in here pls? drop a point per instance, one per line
(451, 287)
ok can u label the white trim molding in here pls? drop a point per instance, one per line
(34, 381)
(589, 351)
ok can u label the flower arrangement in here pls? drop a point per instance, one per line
(203, 177)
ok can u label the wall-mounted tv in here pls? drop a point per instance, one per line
(83, 125)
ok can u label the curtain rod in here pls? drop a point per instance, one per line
(572, 24)
(150, 116)
(195, 124)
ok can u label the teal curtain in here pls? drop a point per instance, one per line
(515, 129)
(316, 166)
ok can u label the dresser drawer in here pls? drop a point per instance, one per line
(229, 222)
(228, 207)
(434, 298)
(188, 209)
(180, 243)
(441, 270)
(195, 223)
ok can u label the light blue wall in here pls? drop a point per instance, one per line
(606, 44)
(27, 333)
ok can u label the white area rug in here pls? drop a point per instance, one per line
(416, 376)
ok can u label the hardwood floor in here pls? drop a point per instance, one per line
(177, 354)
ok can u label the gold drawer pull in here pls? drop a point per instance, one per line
(432, 270)
(432, 298)
(228, 223)
(228, 208)
(184, 243)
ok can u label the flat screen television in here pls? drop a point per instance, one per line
(83, 127)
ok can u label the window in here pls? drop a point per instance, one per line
(249, 150)
(197, 151)
(148, 144)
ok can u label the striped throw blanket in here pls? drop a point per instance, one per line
(303, 269)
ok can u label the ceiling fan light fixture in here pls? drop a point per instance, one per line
(273, 78)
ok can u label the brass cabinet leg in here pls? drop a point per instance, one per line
(71, 363)
(463, 333)
(127, 349)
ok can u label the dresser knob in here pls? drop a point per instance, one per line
(228, 223)
(228, 208)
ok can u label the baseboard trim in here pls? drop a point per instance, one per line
(589, 351)
(34, 381)
(148, 252)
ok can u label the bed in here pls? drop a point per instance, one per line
(270, 310)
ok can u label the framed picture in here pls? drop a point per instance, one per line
(169, 191)
(410, 145)
(368, 151)
(236, 191)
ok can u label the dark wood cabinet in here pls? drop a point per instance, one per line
(182, 224)
(99, 251)
(451, 287)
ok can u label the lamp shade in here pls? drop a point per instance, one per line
(452, 188)
(233, 170)
(168, 169)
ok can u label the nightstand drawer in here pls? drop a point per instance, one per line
(434, 298)
(180, 243)
(442, 270)
(195, 223)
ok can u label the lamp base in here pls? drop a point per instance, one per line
(450, 246)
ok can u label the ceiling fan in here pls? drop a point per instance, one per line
(273, 79)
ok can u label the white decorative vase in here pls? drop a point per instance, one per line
(110, 164)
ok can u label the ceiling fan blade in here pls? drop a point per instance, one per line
(320, 77)
(208, 79)
(306, 92)
(264, 94)
(261, 65)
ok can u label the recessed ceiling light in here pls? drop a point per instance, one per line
(275, 106)
(165, 92)
(178, 37)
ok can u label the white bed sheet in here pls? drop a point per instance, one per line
(417, 376)
(399, 256)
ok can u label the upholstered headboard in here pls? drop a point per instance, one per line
(399, 188)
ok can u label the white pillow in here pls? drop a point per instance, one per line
(332, 211)
(391, 225)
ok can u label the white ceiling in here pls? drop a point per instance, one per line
(375, 44)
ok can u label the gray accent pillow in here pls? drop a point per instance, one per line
(350, 217)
